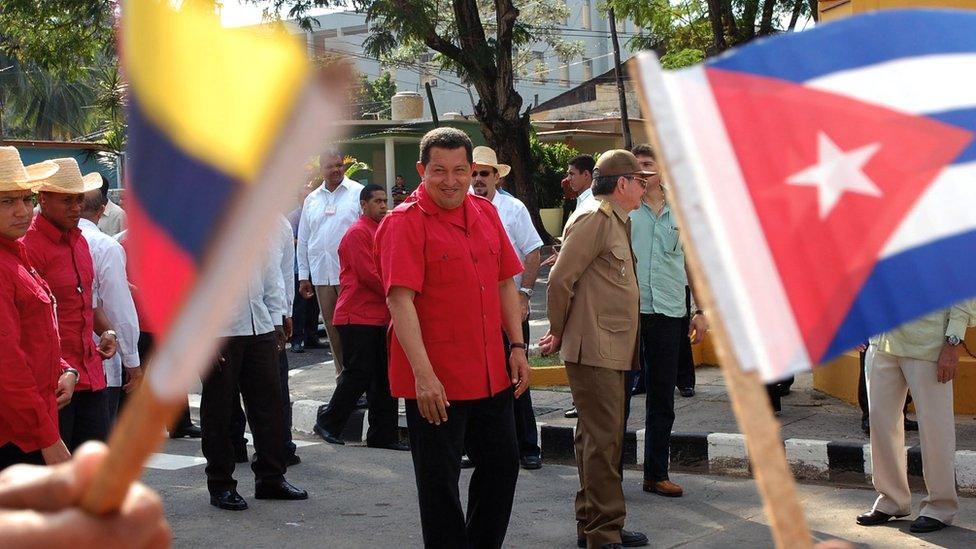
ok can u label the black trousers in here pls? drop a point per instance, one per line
(660, 348)
(11, 454)
(84, 418)
(485, 428)
(239, 421)
(305, 318)
(364, 371)
(249, 363)
(113, 396)
(686, 361)
(526, 431)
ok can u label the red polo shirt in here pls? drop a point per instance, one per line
(362, 300)
(30, 361)
(454, 260)
(64, 262)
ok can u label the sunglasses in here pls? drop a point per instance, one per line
(640, 181)
(482, 173)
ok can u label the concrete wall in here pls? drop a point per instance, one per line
(84, 157)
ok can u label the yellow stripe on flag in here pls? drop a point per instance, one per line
(223, 95)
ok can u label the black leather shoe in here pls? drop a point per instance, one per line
(911, 425)
(875, 517)
(571, 413)
(278, 490)
(923, 525)
(327, 436)
(397, 446)
(293, 460)
(186, 431)
(240, 454)
(466, 463)
(229, 500)
(687, 392)
(531, 462)
(627, 539)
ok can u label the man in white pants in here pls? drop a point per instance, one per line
(922, 356)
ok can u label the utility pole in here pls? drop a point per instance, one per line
(621, 96)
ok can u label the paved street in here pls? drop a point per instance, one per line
(366, 498)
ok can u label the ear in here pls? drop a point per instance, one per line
(421, 169)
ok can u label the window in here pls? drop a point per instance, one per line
(587, 68)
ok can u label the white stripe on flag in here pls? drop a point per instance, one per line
(945, 209)
(722, 222)
(916, 85)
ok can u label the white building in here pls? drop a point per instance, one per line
(548, 76)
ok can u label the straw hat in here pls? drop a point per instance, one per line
(68, 180)
(485, 156)
(15, 177)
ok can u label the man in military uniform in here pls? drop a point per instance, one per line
(593, 315)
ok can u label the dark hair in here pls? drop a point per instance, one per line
(105, 186)
(399, 175)
(643, 150)
(583, 163)
(605, 184)
(444, 138)
(94, 202)
(367, 193)
(329, 153)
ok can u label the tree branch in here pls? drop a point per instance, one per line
(766, 20)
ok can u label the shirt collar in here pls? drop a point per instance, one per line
(346, 182)
(86, 224)
(664, 210)
(620, 213)
(368, 221)
(13, 246)
(53, 233)
(429, 207)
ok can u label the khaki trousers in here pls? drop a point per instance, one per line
(327, 296)
(888, 380)
(599, 397)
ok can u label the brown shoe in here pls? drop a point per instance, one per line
(664, 488)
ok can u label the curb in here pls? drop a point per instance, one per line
(712, 453)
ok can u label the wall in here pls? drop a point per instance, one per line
(84, 157)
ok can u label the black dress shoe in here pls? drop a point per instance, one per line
(397, 446)
(531, 462)
(327, 436)
(186, 431)
(627, 539)
(687, 392)
(911, 425)
(571, 413)
(923, 525)
(229, 500)
(466, 463)
(240, 454)
(278, 490)
(875, 517)
(293, 460)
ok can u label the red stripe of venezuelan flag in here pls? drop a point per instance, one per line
(206, 106)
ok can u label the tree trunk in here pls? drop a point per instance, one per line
(795, 16)
(814, 11)
(718, 31)
(621, 94)
(747, 31)
(766, 20)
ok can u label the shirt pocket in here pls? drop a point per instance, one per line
(614, 336)
(619, 263)
(445, 266)
(670, 241)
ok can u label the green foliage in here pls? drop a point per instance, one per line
(374, 96)
(550, 160)
(682, 58)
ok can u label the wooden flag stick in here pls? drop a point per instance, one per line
(750, 402)
(192, 342)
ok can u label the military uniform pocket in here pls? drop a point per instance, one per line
(614, 341)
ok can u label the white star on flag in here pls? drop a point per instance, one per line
(837, 172)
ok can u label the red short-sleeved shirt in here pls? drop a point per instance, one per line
(362, 300)
(455, 264)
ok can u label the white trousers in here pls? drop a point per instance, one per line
(889, 379)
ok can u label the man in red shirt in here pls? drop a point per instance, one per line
(33, 378)
(447, 267)
(361, 317)
(60, 254)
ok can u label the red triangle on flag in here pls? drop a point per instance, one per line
(830, 178)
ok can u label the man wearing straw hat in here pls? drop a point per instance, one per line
(35, 379)
(61, 256)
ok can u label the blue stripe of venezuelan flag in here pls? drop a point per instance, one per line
(202, 121)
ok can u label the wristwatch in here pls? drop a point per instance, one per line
(72, 371)
(111, 333)
(522, 346)
(953, 340)
(527, 292)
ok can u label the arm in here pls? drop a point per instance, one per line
(512, 322)
(431, 396)
(582, 244)
(360, 254)
(108, 339)
(274, 296)
(699, 322)
(118, 307)
(287, 264)
(961, 315)
(304, 280)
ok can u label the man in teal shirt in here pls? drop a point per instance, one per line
(662, 278)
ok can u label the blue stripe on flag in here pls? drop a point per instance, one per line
(906, 286)
(965, 119)
(855, 42)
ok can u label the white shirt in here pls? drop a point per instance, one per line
(518, 226)
(112, 221)
(286, 259)
(263, 307)
(113, 296)
(326, 216)
(584, 196)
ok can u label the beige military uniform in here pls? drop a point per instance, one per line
(593, 306)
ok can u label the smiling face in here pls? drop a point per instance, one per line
(16, 212)
(446, 176)
(63, 210)
(484, 180)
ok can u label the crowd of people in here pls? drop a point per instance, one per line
(428, 302)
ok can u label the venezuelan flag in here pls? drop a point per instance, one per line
(218, 118)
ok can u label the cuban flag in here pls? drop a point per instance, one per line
(826, 179)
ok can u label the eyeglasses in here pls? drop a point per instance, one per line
(482, 173)
(640, 180)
